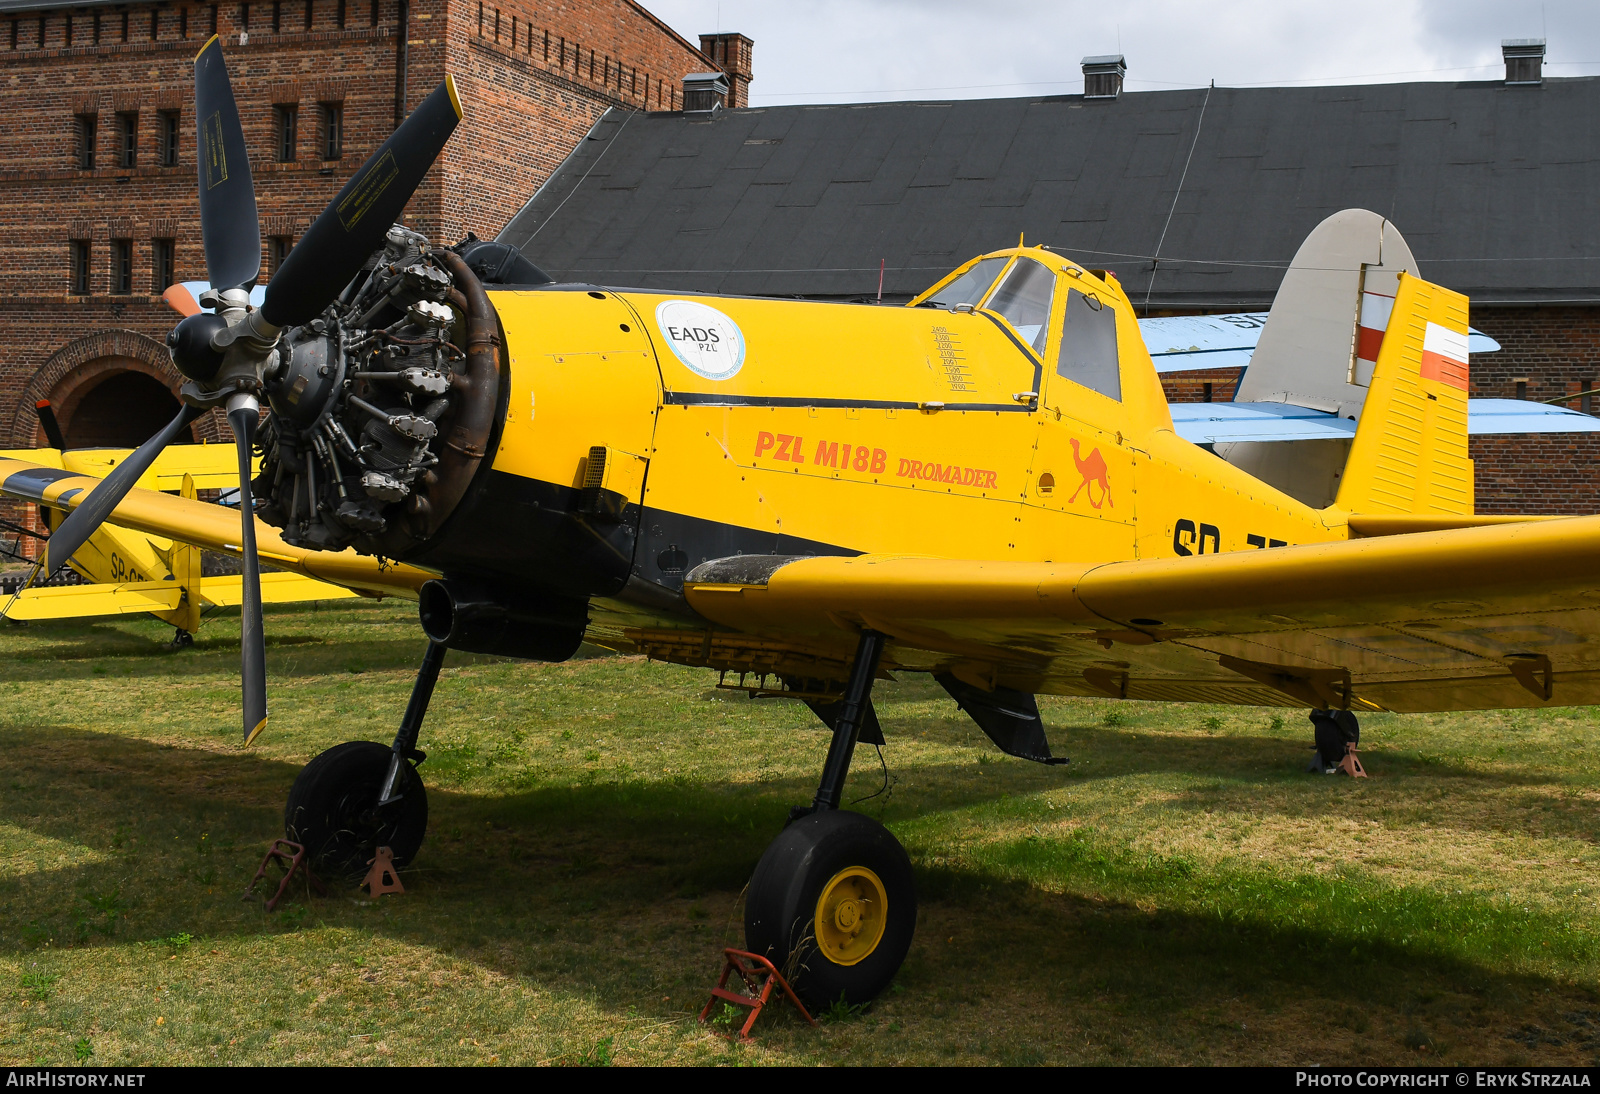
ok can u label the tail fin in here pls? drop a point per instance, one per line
(1410, 451)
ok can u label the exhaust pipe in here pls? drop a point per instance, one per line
(468, 616)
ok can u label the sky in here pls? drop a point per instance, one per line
(836, 51)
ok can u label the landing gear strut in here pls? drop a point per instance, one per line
(359, 796)
(832, 903)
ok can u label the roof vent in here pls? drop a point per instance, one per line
(1524, 61)
(703, 92)
(1102, 76)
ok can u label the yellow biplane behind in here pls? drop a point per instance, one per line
(128, 572)
(985, 486)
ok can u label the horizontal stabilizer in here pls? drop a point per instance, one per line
(1009, 717)
(1188, 343)
(1211, 423)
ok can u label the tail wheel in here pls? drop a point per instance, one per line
(833, 905)
(333, 810)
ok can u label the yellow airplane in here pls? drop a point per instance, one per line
(985, 486)
(130, 572)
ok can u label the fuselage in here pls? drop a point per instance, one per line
(644, 433)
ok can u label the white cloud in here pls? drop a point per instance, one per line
(868, 50)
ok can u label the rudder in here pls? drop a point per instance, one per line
(1410, 450)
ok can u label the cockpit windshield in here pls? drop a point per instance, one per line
(1024, 299)
(970, 287)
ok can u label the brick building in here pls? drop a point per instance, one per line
(97, 165)
(1197, 199)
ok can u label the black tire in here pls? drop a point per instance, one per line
(782, 903)
(332, 810)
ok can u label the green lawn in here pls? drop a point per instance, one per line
(1180, 893)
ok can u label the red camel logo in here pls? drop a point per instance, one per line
(1093, 470)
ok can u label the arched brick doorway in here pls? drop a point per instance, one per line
(115, 387)
(113, 403)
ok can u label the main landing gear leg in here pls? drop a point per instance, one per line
(832, 902)
(359, 796)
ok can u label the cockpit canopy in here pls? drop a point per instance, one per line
(1022, 296)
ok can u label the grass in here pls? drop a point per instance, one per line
(1181, 892)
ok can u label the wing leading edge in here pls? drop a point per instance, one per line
(1477, 618)
(212, 527)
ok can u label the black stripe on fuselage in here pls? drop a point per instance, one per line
(1038, 366)
(528, 534)
(712, 398)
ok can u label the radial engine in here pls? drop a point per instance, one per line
(383, 406)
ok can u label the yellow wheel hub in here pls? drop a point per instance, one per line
(851, 914)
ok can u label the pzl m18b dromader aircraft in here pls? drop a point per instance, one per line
(984, 486)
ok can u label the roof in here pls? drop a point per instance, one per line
(1496, 189)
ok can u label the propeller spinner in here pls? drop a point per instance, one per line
(226, 353)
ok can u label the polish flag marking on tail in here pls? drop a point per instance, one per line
(1444, 356)
(1374, 320)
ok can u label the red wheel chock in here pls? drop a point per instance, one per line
(382, 878)
(291, 857)
(1350, 765)
(759, 978)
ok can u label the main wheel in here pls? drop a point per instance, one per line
(833, 906)
(333, 810)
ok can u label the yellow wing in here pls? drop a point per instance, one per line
(1469, 619)
(212, 527)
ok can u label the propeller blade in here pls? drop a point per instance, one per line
(228, 222)
(93, 511)
(252, 643)
(181, 300)
(336, 246)
(48, 423)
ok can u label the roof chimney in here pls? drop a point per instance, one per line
(703, 92)
(1102, 76)
(1524, 61)
(732, 53)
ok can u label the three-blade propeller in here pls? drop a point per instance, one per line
(332, 252)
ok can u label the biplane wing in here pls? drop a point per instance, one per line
(1465, 619)
(212, 527)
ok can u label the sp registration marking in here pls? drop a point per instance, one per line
(845, 456)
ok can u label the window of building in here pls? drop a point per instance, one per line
(127, 140)
(277, 15)
(277, 250)
(87, 125)
(80, 266)
(168, 137)
(287, 120)
(308, 14)
(122, 265)
(163, 264)
(341, 14)
(183, 22)
(332, 131)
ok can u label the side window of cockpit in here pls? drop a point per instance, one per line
(969, 287)
(1024, 299)
(1089, 345)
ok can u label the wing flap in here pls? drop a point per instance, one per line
(1440, 620)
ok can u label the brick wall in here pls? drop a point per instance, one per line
(533, 79)
(1190, 387)
(1542, 473)
(1556, 349)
